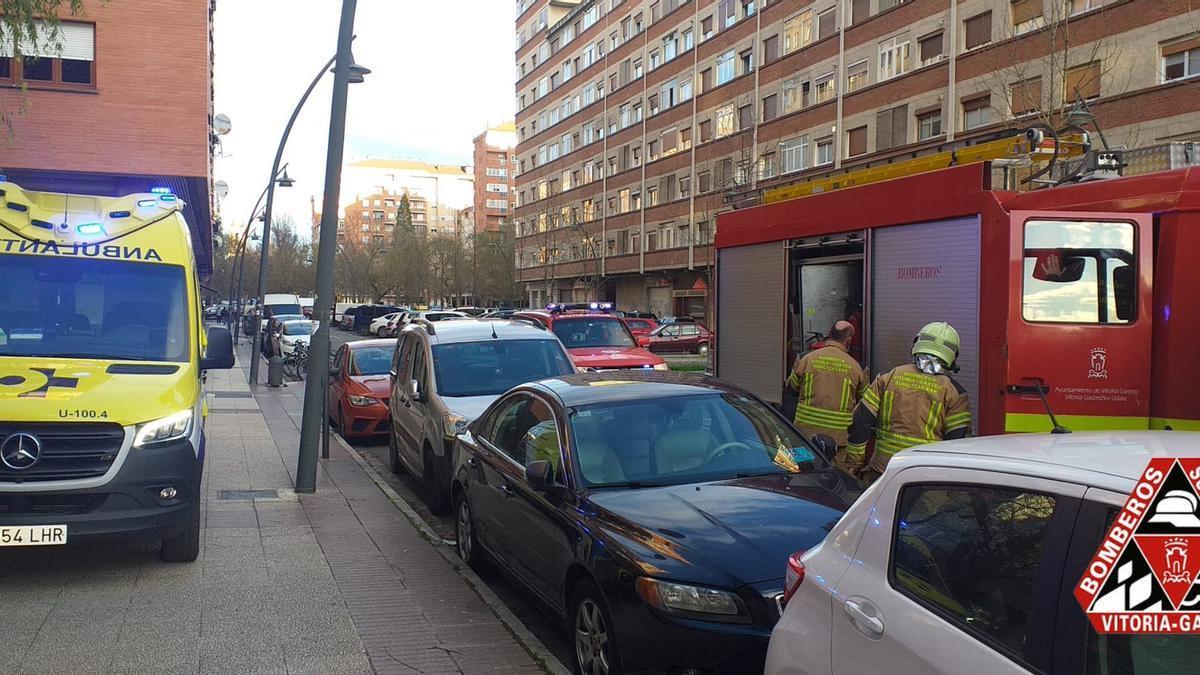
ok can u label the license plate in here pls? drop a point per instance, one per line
(33, 535)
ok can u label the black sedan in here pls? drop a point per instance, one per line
(655, 512)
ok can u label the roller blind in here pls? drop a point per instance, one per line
(75, 41)
(1167, 50)
(1025, 10)
(1026, 96)
(1086, 79)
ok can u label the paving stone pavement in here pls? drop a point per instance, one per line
(335, 582)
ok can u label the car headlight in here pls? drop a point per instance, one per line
(661, 366)
(363, 400)
(453, 425)
(682, 598)
(169, 428)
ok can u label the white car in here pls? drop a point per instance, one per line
(295, 332)
(963, 558)
(381, 322)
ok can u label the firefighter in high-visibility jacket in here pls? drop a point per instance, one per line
(829, 383)
(912, 404)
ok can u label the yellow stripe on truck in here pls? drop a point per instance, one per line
(1034, 423)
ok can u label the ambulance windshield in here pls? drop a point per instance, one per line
(88, 308)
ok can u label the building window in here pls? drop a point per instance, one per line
(1083, 82)
(1179, 60)
(794, 154)
(1080, 6)
(826, 23)
(825, 151)
(67, 58)
(1025, 97)
(978, 30)
(931, 49)
(891, 128)
(770, 107)
(893, 58)
(856, 141)
(705, 131)
(728, 15)
(745, 117)
(860, 11)
(1026, 15)
(770, 49)
(929, 125)
(856, 75)
(798, 31)
(725, 70)
(826, 88)
(977, 112)
(726, 120)
(704, 181)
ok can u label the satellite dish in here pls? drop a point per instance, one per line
(221, 124)
(221, 188)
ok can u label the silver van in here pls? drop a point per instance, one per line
(444, 375)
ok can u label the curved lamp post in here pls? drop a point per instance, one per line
(239, 263)
(356, 75)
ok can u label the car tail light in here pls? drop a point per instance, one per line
(794, 576)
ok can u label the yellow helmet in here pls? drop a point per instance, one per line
(937, 339)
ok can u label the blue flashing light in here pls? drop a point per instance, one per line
(3, 178)
(90, 229)
(160, 190)
(18, 207)
(647, 367)
(169, 199)
(147, 203)
(118, 214)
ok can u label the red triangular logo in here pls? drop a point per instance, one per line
(1175, 561)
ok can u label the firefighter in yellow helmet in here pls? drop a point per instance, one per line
(830, 383)
(912, 404)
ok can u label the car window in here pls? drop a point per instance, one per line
(670, 331)
(370, 361)
(502, 429)
(971, 554)
(492, 367)
(638, 324)
(541, 441)
(690, 329)
(1139, 654)
(586, 332)
(418, 363)
(339, 359)
(397, 357)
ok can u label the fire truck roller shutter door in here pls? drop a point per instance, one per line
(927, 272)
(752, 295)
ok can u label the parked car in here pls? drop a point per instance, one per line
(368, 313)
(650, 510)
(678, 338)
(596, 338)
(637, 315)
(499, 314)
(306, 307)
(340, 308)
(378, 324)
(295, 332)
(963, 557)
(640, 327)
(471, 311)
(347, 320)
(437, 315)
(359, 387)
(446, 373)
(278, 305)
(676, 319)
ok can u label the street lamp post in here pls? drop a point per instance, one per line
(265, 250)
(318, 362)
(239, 262)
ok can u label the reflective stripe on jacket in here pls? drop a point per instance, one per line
(830, 383)
(908, 407)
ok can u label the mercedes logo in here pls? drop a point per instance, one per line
(20, 451)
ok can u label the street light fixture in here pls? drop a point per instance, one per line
(264, 255)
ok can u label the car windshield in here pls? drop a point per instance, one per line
(493, 367)
(299, 328)
(673, 440)
(370, 360)
(88, 308)
(284, 310)
(284, 318)
(592, 331)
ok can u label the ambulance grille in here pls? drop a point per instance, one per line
(68, 451)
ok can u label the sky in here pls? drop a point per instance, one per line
(442, 72)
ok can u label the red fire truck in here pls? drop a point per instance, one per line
(1085, 295)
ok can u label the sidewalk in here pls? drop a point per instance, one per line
(335, 582)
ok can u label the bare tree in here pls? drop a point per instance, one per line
(363, 265)
(30, 23)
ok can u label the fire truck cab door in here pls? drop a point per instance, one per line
(1079, 321)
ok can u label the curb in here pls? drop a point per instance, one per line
(528, 640)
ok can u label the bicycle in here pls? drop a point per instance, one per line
(295, 365)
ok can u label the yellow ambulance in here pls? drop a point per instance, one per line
(103, 352)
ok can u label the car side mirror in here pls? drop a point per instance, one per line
(539, 474)
(219, 354)
(414, 390)
(825, 446)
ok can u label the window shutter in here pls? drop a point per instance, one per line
(856, 140)
(745, 117)
(826, 25)
(979, 30)
(1025, 10)
(770, 107)
(899, 125)
(931, 47)
(770, 49)
(883, 130)
(860, 10)
(1026, 96)
(1086, 79)
(1180, 47)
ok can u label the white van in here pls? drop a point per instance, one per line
(280, 304)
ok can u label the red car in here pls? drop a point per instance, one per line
(640, 327)
(677, 338)
(595, 338)
(359, 386)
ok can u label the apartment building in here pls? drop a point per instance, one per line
(84, 119)
(494, 164)
(639, 120)
(371, 220)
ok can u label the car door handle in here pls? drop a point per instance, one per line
(871, 623)
(507, 490)
(472, 462)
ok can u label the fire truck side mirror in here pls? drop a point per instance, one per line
(1125, 292)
